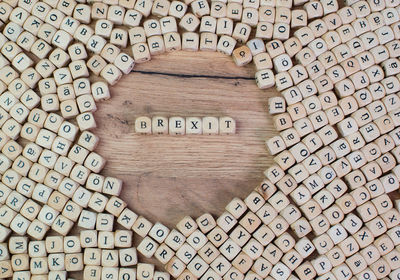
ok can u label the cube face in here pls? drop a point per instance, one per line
(226, 44)
(190, 41)
(242, 56)
(265, 79)
(143, 125)
(141, 52)
(177, 126)
(194, 125)
(210, 125)
(189, 22)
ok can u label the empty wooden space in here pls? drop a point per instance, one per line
(168, 177)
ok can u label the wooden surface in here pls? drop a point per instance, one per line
(168, 177)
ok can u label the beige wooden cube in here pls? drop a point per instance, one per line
(210, 125)
(156, 45)
(86, 121)
(132, 17)
(265, 78)
(147, 247)
(159, 125)
(177, 126)
(6, 269)
(208, 24)
(175, 240)
(160, 8)
(20, 224)
(189, 22)
(190, 41)
(141, 52)
(152, 27)
(74, 262)
(208, 41)
(111, 74)
(142, 226)
(242, 56)
(200, 8)
(172, 41)
(226, 44)
(177, 9)
(194, 125)
(242, 31)
(224, 26)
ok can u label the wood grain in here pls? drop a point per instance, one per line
(168, 177)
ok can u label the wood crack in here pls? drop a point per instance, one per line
(191, 76)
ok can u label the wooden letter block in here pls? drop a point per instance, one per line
(210, 125)
(194, 125)
(159, 125)
(177, 126)
(242, 56)
(143, 125)
(74, 262)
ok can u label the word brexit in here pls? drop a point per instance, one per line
(181, 126)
